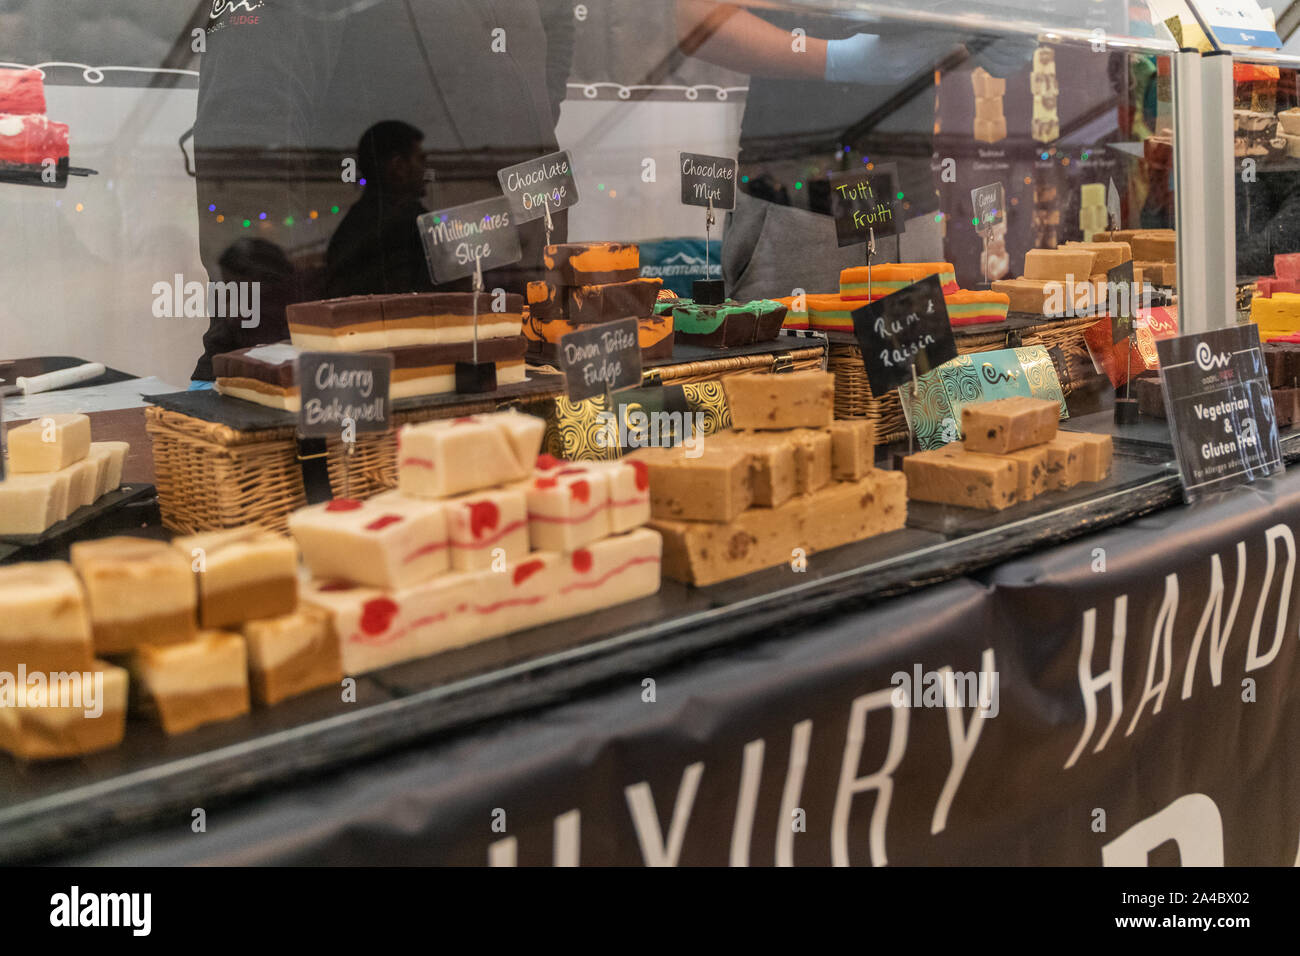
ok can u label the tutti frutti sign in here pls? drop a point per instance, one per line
(866, 203)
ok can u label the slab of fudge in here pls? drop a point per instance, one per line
(350, 324)
(83, 481)
(949, 476)
(715, 326)
(431, 369)
(452, 456)
(291, 655)
(1108, 254)
(445, 318)
(704, 553)
(44, 623)
(1064, 463)
(1150, 397)
(48, 443)
(568, 506)
(1282, 359)
(788, 400)
(197, 682)
(591, 263)
(1286, 406)
(1008, 424)
(264, 374)
(771, 463)
(1031, 471)
(139, 592)
(594, 304)
(986, 85)
(487, 524)
(628, 483)
(388, 541)
(654, 335)
(812, 459)
(609, 572)
(715, 486)
(853, 448)
(32, 503)
(241, 574)
(115, 453)
(1059, 264)
(85, 714)
(1158, 246)
(1096, 453)
(860, 283)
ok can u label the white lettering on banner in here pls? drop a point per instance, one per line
(1162, 639)
(881, 781)
(1090, 685)
(1213, 610)
(1192, 821)
(568, 829)
(1254, 660)
(961, 740)
(751, 773)
(641, 803)
(800, 741)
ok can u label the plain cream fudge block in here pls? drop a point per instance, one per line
(812, 459)
(30, 504)
(139, 592)
(567, 507)
(611, 571)
(1155, 246)
(1059, 264)
(704, 553)
(487, 528)
(242, 574)
(388, 541)
(788, 400)
(113, 454)
(947, 477)
(715, 486)
(292, 654)
(83, 483)
(44, 624)
(853, 449)
(49, 443)
(1097, 452)
(1108, 254)
(1009, 424)
(771, 463)
(629, 493)
(84, 712)
(197, 682)
(444, 458)
(1064, 463)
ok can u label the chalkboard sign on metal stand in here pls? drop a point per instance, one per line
(989, 205)
(342, 393)
(537, 188)
(865, 204)
(1120, 306)
(708, 181)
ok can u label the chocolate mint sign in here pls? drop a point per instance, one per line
(989, 203)
(866, 201)
(476, 235)
(342, 392)
(601, 358)
(533, 186)
(1220, 408)
(708, 180)
(904, 330)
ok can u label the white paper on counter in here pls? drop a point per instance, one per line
(98, 398)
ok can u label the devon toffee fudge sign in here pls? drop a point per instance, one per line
(532, 186)
(866, 201)
(708, 180)
(908, 328)
(601, 358)
(339, 388)
(476, 235)
(1220, 408)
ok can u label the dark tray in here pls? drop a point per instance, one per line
(129, 506)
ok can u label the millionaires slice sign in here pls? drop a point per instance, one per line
(460, 240)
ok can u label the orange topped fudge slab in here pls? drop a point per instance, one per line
(1009, 424)
(591, 263)
(594, 304)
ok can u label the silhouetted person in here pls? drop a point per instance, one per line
(247, 262)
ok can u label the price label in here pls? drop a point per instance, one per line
(708, 180)
(480, 232)
(908, 328)
(1121, 300)
(601, 358)
(1220, 408)
(865, 201)
(989, 205)
(342, 390)
(532, 186)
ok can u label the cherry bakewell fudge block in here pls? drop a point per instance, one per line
(771, 463)
(613, 570)
(291, 655)
(44, 624)
(951, 476)
(715, 486)
(389, 541)
(29, 504)
(789, 400)
(139, 592)
(203, 681)
(483, 524)
(629, 493)
(812, 459)
(49, 443)
(853, 449)
(1009, 424)
(84, 714)
(568, 506)
(1064, 463)
(704, 553)
(242, 574)
(1097, 452)
(443, 458)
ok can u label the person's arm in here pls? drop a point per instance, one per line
(731, 37)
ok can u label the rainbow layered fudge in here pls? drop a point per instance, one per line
(887, 278)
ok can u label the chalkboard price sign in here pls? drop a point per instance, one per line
(708, 180)
(531, 186)
(339, 388)
(480, 232)
(866, 201)
(601, 358)
(1121, 300)
(989, 203)
(908, 328)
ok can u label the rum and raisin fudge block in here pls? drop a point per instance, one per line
(703, 553)
(197, 682)
(32, 503)
(291, 655)
(1031, 471)
(83, 716)
(591, 263)
(242, 574)
(1096, 453)
(714, 486)
(449, 457)
(1064, 463)
(139, 592)
(771, 463)
(789, 400)
(951, 477)
(1009, 424)
(853, 449)
(388, 541)
(568, 507)
(49, 443)
(812, 459)
(44, 624)
(447, 318)
(485, 525)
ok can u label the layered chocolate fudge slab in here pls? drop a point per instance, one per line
(717, 326)
(291, 655)
(591, 263)
(85, 714)
(241, 574)
(440, 318)
(45, 625)
(139, 592)
(197, 682)
(265, 374)
(654, 335)
(431, 369)
(352, 324)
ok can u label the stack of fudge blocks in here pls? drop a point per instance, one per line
(1012, 452)
(54, 469)
(1070, 279)
(188, 626)
(990, 118)
(1093, 216)
(1045, 124)
(482, 537)
(791, 480)
(1155, 252)
(590, 283)
(1285, 278)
